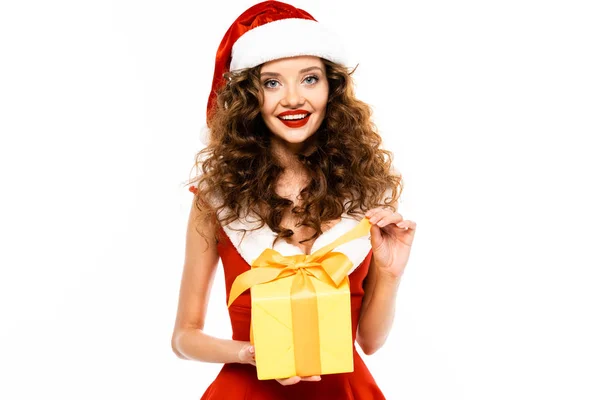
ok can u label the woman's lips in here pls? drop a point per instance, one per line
(295, 123)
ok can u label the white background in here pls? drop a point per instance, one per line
(490, 108)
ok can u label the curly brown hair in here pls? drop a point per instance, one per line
(347, 169)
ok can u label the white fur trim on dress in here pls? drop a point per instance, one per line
(256, 241)
(286, 38)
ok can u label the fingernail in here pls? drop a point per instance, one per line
(251, 349)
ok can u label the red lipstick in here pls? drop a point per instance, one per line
(294, 123)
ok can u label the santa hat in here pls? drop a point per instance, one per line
(268, 31)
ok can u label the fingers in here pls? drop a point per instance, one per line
(315, 378)
(289, 381)
(246, 355)
(251, 351)
(252, 356)
(406, 224)
(383, 217)
(295, 379)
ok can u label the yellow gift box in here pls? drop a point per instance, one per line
(301, 320)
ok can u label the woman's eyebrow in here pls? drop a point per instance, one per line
(300, 72)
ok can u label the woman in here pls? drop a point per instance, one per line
(293, 162)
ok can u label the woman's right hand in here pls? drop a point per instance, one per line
(247, 356)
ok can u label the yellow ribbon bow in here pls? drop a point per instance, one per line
(324, 265)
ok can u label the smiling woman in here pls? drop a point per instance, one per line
(293, 165)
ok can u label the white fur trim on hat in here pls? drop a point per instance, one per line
(286, 38)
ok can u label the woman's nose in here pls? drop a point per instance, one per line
(293, 97)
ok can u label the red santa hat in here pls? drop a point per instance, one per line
(268, 31)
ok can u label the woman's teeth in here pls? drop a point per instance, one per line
(291, 117)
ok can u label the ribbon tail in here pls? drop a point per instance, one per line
(335, 264)
(362, 229)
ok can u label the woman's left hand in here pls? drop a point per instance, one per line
(391, 239)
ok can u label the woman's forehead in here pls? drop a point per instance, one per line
(298, 64)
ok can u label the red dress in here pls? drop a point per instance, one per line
(239, 381)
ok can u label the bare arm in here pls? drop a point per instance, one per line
(378, 309)
(188, 340)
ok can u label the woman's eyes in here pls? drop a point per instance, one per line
(311, 80)
(270, 81)
(316, 79)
